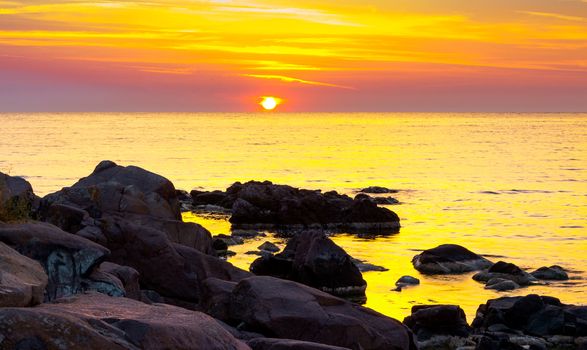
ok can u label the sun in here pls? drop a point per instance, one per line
(269, 102)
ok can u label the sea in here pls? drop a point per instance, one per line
(512, 187)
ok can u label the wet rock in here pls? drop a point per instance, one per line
(96, 321)
(428, 321)
(449, 259)
(377, 189)
(22, 280)
(377, 200)
(407, 281)
(265, 205)
(533, 315)
(230, 240)
(500, 284)
(313, 259)
(269, 247)
(17, 199)
(219, 244)
(364, 266)
(247, 234)
(506, 271)
(555, 273)
(285, 309)
(66, 258)
(288, 344)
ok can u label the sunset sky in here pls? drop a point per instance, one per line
(354, 55)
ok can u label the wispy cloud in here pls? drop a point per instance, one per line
(296, 80)
(556, 16)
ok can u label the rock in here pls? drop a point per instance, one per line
(491, 342)
(364, 266)
(246, 234)
(285, 309)
(501, 284)
(533, 315)
(377, 200)
(269, 247)
(230, 240)
(428, 321)
(126, 193)
(127, 275)
(67, 259)
(507, 271)
(377, 189)
(313, 259)
(96, 321)
(219, 244)
(17, 199)
(263, 205)
(449, 259)
(22, 280)
(407, 281)
(555, 273)
(288, 344)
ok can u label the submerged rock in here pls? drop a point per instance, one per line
(364, 266)
(554, 273)
(501, 285)
(449, 259)
(505, 271)
(407, 281)
(377, 189)
(313, 259)
(22, 280)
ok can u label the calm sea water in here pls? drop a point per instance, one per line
(507, 185)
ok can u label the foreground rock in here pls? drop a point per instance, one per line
(67, 259)
(17, 199)
(313, 259)
(449, 259)
(533, 315)
(266, 205)
(285, 309)
(428, 321)
(22, 280)
(288, 344)
(96, 321)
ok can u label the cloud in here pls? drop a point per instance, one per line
(556, 16)
(296, 80)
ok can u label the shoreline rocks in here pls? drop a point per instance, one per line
(449, 259)
(22, 280)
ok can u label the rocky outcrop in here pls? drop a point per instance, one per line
(22, 280)
(427, 321)
(128, 193)
(17, 199)
(285, 309)
(266, 205)
(552, 273)
(96, 321)
(449, 259)
(504, 271)
(533, 315)
(313, 259)
(67, 259)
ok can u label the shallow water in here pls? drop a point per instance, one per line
(511, 185)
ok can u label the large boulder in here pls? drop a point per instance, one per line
(130, 193)
(67, 259)
(534, 315)
(449, 259)
(266, 205)
(285, 309)
(313, 259)
(96, 321)
(17, 199)
(427, 321)
(22, 280)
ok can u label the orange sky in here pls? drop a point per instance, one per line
(221, 55)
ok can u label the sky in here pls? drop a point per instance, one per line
(333, 56)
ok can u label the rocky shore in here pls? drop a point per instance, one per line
(108, 263)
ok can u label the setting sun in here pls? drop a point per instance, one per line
(269, 102)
